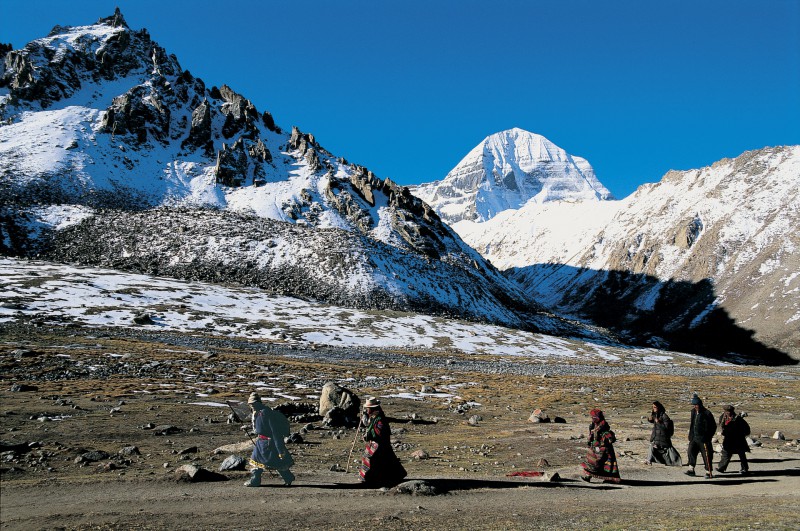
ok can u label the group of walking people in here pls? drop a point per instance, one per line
(601, 459)
(380, 466)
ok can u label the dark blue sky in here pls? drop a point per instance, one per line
(408, 88)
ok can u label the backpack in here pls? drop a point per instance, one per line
(670, 427)
(744, 426)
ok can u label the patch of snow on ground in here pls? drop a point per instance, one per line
(97, 297)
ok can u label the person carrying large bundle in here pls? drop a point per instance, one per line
(270, 451)
(379, 464)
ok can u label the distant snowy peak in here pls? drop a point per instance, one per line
(506, 171)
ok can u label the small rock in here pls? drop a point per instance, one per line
(779, 436)
(416, 488)
(420, 454)
(474, 420)
(21, 388)
(130, 450)
(538, 416)
(233, 462)
(190, 450)
(165, 430)
(196, 474)
(554, 477)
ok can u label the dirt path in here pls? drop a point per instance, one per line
(649, 498)
(88, 393)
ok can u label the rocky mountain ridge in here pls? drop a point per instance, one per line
(101, 125)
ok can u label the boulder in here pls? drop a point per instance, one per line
(333, 395)
(779, 436)
(420, 454)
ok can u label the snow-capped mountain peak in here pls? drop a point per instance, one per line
(507, 170)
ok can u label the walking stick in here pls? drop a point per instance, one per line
(707, 460)
(355, 438)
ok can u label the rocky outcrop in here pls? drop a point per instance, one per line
(138, 112)
(232, 163)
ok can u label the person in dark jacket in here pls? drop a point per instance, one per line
(270, 451)
(379, 464)
(701, 431)
(734, 439)
(661, 450)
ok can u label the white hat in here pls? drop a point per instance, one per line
(372, 402)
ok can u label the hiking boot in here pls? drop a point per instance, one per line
(690, 472)
(744, 472)
(587, 479)
(719, 470)
(255, 478)
(708, 475)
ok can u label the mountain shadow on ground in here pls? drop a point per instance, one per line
(683, 317)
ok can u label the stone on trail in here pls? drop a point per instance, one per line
(474, 420)
(416, 487)
(233, 462)
(779, 436)
(196, 474)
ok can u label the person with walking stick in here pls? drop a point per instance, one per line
(701, 431)
(379, 465)
(270, 451)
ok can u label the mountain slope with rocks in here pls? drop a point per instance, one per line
(108, 146)
(706, 259)
(506, 171)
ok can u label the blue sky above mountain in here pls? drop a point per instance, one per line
(407, 89)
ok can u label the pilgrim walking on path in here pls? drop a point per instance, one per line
(734, 439)
(601, 460)
(661, 449)
(270, 450)
(701, 431)
(379, 464)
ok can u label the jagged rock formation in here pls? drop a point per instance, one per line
(102, 125)
(506, 171)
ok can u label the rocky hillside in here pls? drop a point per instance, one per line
(111, 153)
(706, 259)
(506, 171)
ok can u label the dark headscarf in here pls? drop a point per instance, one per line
(659, 407)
